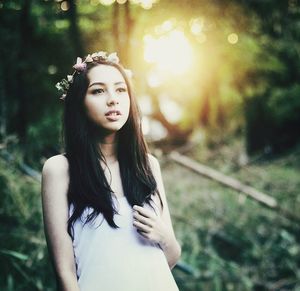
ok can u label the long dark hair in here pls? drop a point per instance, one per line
(88, 186)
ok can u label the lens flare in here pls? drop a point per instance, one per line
(233, 38)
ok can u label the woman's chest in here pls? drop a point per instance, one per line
(113, 177)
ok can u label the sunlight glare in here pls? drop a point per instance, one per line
(153, 80)
(201, 38)
(107, 2)
(165, 27)
(170, 109)
(171, 52)
(146, 4)
(196, 26)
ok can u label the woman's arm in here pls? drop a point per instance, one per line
(55, 182)
(159, 230)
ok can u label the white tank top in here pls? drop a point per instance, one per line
(120, 259)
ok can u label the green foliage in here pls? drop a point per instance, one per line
(284, 105)
(32, 62)
(23, 254)
(233, 242)
(272, 117)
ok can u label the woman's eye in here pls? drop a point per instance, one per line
(97, 91)
(121, 89)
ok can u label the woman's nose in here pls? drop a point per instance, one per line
(112, 98)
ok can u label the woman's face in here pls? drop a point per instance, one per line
(107, 100)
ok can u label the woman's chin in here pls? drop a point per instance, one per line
(113, 127)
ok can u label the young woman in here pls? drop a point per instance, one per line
(106, 216)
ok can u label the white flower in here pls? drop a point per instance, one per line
(63, 96)
(95, 55)
(102, 54)
(113, 58)
(88, 59)
(70, 78)
(58, 86)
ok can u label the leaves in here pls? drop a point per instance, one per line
(15, 254)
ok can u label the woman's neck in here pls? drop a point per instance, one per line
(108, 147)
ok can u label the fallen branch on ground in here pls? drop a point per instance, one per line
(232, 183)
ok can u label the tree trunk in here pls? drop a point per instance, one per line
(129, 23)
(74, 31)
(205, 111)
(3, 106)
(115, 29)
(22, 91)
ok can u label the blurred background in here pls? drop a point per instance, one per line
(217, 84)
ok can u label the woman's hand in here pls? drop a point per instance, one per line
(150, 225)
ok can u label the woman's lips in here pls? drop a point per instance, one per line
(113, 115)
(113, 118)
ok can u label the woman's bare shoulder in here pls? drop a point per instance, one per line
(56, 165)
(153, 161)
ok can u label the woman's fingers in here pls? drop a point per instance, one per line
(142, 227)
(146, 223)
(142, 219)
(144, 211)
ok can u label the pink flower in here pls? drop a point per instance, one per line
(79, 66)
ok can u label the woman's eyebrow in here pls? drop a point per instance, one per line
(103, 84)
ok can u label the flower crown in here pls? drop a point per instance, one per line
(80, 66)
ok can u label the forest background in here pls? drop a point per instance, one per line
(217, 81)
